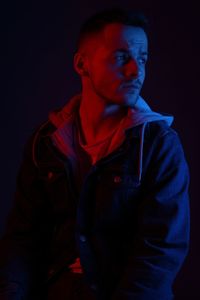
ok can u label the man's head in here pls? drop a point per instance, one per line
(111, 56)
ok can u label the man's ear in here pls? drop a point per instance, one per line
(80, 64)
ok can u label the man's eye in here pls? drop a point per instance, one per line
(121, 57)
(143, 61)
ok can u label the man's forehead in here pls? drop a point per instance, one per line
(120, 35)
(117, 36)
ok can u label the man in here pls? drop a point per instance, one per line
(101, 209)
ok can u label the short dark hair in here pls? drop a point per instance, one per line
(98, 21)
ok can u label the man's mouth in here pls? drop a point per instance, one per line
(129, 85)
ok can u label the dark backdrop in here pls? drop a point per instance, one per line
(37, 49)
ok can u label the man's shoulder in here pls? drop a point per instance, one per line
(36, 148)
(157, 129)
(161, 136)
(152, 130)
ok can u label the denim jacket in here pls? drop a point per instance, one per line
(129, 224)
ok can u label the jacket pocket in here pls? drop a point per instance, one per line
(116, 193)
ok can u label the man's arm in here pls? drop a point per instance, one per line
(163, 226)
(22, 249)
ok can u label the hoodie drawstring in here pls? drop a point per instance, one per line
(141, 151)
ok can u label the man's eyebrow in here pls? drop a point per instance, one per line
(126, 50)
(121, 50)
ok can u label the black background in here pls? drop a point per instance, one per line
(37, 45)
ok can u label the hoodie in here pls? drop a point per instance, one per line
(67, 136)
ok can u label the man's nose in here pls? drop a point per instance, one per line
(131, 69)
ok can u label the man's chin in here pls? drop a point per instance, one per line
(130, 100)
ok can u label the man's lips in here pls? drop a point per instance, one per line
(130, 86)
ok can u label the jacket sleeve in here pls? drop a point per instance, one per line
(162, 238)
(22, 248)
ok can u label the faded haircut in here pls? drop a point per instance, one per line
(97, 22)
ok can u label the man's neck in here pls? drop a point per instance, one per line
(98, 119)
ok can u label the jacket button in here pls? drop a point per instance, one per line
(51, 272)
(83, 238)
(117, 179)
(50, 175)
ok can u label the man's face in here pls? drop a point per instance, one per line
(116, 64)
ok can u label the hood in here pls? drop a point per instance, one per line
(142, 113)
